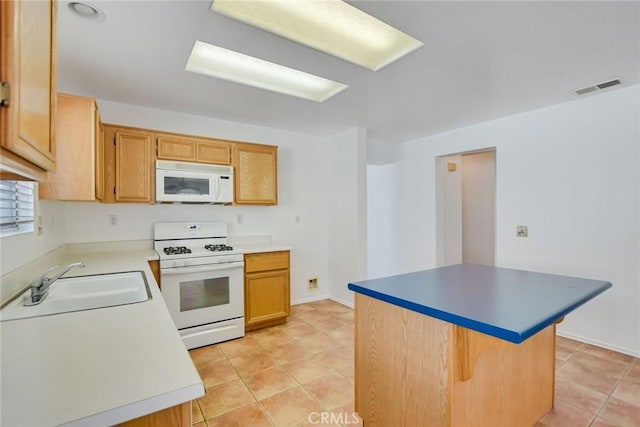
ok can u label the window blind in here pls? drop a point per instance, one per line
(16, 206)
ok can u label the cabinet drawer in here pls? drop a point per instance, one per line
(266, 261)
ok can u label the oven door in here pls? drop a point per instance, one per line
(201, 295)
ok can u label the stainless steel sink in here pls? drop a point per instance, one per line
(83, 293)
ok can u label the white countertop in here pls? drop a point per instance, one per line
(96, 367)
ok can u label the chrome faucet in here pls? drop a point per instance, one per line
(40, 286)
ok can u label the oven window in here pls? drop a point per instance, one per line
(197, 294)
(192, 186)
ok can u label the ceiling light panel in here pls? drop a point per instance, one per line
(237, 67)
(331, 26)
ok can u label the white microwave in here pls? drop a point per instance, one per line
(182, 182)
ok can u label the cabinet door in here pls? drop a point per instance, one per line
(76, 128)
(29, 66)
(215, 152)
(172, 147)
(266, 296)
(100, 178)
(134, 166)
(256, 174)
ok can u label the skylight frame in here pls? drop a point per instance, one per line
(330, 26)
(230, 65)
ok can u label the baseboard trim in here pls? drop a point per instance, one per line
(311, 299)
(341, 301)
(600, 344)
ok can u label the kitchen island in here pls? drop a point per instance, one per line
(463, 345)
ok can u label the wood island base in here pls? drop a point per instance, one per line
(416, 370)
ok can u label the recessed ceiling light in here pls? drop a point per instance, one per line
(331, 26)
(86, 11)
(237, 67)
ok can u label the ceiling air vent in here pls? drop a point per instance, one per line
(597, 86)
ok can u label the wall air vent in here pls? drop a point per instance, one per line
(597, 86)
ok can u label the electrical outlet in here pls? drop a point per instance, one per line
(522, 231)
(312, 284)
(39, 225)
(113, 220)
(240, 219)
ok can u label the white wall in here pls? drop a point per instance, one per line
(571, 173)
(302, 191)
(347, 203)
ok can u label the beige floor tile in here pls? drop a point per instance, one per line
(200, 424)
(204, 356)
(599, 422)
(224, 397)
(344, 334)
(606, 354)
(217, 373)
(568, 343)
(338, 357)
(246, 365)
(621, 413)
(196, 413)
(272, 339)
(300, 308)
(327, 324)
(290, 407)
(589, 376)
(565, 415)
(299, 330)
(304, 370)
(330, 390)
(290, 351)
(579, 396)
(318, 341)
(633, 376)
(629, 392)
(348, 317)
(240, 347)
(268, 382)
(246, 416)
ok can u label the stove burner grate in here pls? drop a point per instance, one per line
(176, 250)
(218, 248)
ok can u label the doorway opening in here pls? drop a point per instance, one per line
(466, 208)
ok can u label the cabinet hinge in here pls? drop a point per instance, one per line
(4, 94)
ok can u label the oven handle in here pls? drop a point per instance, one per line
(201, 268)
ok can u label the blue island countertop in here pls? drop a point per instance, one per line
(508, 304)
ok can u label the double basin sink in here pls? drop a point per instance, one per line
(82, 293)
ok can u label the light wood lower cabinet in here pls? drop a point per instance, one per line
(266, 289)
(129, 156)
(79, 156)
(28, 67)
(176, 416)
(154, 265)
(256, 174)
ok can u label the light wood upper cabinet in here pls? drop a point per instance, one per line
(28, 66)
(267, 289)
(192, 149)
(213, 151)
(256, 174)
(134, 166)
(80, 174)
(100, 178)
(172, 147)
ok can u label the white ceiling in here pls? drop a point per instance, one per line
(480, 61)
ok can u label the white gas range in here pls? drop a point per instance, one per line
(201, 281)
